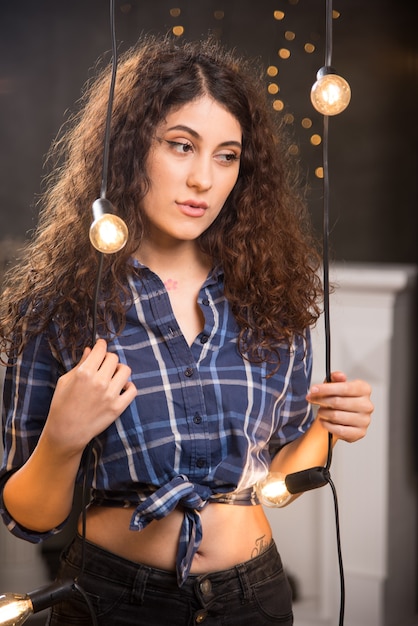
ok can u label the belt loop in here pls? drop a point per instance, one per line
(139, 584)
(241, 570)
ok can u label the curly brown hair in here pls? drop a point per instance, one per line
(262, 237)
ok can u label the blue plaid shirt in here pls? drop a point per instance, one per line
(204, 425)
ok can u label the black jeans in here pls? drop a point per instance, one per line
(254, 593)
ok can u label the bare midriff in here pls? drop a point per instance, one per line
(232, 534)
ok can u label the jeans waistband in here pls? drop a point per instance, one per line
(131, 574)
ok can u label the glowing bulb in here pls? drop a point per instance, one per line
(277, 489)
(14, 609)
(273, 491)
(331, 93)
(108, 232)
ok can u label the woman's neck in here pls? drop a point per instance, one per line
(175, 262)
(183, 269)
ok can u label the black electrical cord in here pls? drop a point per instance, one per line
(106, 146)
(326, 286)
(315, 477)
(327, 477)
(339, 552)
(106, 151)
(103, 190)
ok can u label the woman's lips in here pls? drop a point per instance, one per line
(192, 208)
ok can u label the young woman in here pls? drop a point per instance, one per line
(198, 383)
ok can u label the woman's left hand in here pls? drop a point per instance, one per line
(345, 407)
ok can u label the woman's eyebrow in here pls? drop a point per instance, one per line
(196, 135)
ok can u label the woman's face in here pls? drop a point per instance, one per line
(192, 166)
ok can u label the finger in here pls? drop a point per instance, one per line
(96, 355)
(345, 432)
(349, 414)
(338, 377)
(84, 356)
(347, 411)
(100, 362)
(120, 378)
(108, 366)
(340, 404)
(324, 394)
(351, 389)
(347, 426)
(128, 394)
(121, 395)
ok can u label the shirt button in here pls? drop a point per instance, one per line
(197, 418)
(205, 301)
(204, 339)
(188, 372)
(200, 462)
(200, 617)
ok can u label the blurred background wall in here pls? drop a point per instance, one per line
(48, 49)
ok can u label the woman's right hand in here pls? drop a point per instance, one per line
(88, 398)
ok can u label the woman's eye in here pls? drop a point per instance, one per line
(228, 157)
(181, 147)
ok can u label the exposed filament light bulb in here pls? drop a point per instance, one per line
(15, 608)
(108, 232)
(273, 491)
(276, 489)
(331, 93)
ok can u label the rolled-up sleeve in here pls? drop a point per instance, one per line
(29, 384)
(296, 412)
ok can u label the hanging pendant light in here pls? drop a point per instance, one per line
(331, 93)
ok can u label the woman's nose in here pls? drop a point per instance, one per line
(200, 173)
